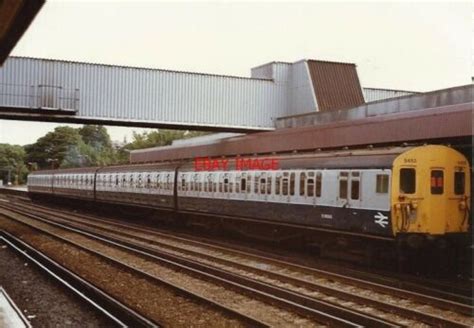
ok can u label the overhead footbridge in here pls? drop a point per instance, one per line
(75, 92)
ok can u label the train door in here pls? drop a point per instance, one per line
(342, 199)
(448, 199)
(349, 195)
(459, 199)
(406, 196)
(355, 194)
(437, 199)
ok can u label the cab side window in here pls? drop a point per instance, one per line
(459, 183)
(407, 181)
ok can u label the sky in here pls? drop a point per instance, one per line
(419, 46)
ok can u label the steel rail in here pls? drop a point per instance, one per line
(403, 311)
(105, 304)
(435, 289)
(253, 322)
(392, 308)
(321, 311)
(422, 294)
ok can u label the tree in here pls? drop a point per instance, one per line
(98, 145)
(151, 139)
(160, 138)
(65, 147)
(95, 136)
(12, 163)
(51, 150)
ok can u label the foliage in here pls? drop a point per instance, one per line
(151, 139)
(95, 136)
(89, 145)
(12, 162)
(52, 149)
(159, 138)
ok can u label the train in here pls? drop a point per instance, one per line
(415, 196)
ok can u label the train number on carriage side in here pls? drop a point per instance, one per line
(409, 160)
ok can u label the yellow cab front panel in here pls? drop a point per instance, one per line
(430, 191)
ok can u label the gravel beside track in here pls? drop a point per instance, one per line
(413, 312)
(406, 312)
(269, 314)
(157, 302)
(43, 302)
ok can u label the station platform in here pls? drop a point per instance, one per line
(10, 315)
(14, 190)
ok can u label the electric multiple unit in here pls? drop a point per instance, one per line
(414, 193)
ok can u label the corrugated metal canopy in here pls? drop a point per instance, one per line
(336, 85)
(440, 123)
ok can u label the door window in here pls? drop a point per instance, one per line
(343, 185)
(407, 181)
(382, 184)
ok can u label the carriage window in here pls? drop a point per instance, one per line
(263, 186)
(381, 184)
(243, 183)
(437, 182)
(269, 185)
(319, 180)
(183, 184)
(407, 181)
(116, 180)
(284, 189)
(139, 184)
(255, 184)
(194, 185)
(226, 185)
(355, 189)
(277, 185)
(310, 187)
(248, 184)
(148, 181)
(302, 183)
(292, 184)
(459, 183)
(168, 184)
(343, 185)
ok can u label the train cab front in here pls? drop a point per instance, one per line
(431, 198)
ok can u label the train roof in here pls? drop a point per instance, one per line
(357, 158)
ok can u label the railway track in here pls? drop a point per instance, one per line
(458, 292)
(268, 293)
(300, 289)
(445, 290)
(119, 314)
